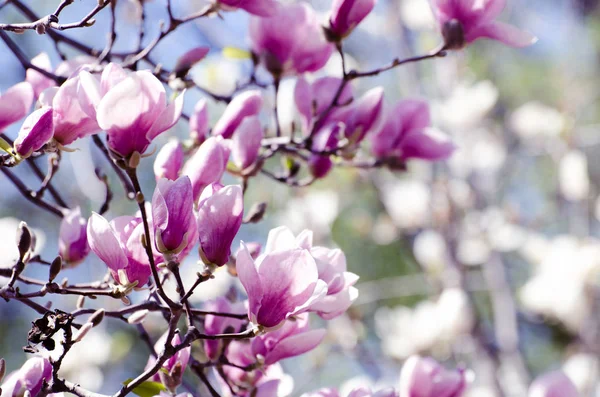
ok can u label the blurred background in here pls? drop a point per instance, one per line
(488, 261)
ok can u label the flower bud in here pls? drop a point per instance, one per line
(246, 104)
(553, 384)
(326, 139)
(24, 239)
(346, 14)
(207, 165)
(199, 122)
(72, 238)
(15, 103)
(55, 268)
(246, 143)
(97, 317)
(219, 219)
(426, 378)
(29, 378)
(37, 129)
(188, 60)
(169, 161)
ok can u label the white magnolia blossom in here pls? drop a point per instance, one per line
(573, 176)
(405, 331)
(558, 286)
(536, 120)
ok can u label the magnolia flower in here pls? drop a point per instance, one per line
(142, 94)
(262, 8)
(37, 129)
(169, 161)
(346, 14)
(171, 372)
(246, 104)
(199, 122)
(173, 216)
(331, 267)
(29, 378)
(464, 21)
(246, 143)
(357, 392)
(118, 245)
(207, 165)
(38, 81)
(424, 377)
(312, 99)
(214, 325)
(553, 384)
(293, 338)
(15, 104)
(219, 219)
(291, 41)
(405, 134)
(324, 140)
(72, 238)
(70, 120)
(362, 116)
(279, 284)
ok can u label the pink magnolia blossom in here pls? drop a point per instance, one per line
(30, 377)
(199, 122)
(425, 377)
(142, 94)
(291, 41)
(331, 267)
(171, 373)
(118, 245)
(293, 338)
(15, 104)
(406, 134)
(553, 384)
(37, 129)
(312, 99)
(169, 160)
(244, 105)
(38, 81)
(246, 143)
(326, 139)
(214, 325)
(464, 21)
(280, 284)
(70, 121)
(219, 219)
(189, 59)
(346, 14)
(362, 116)
(173, 218)
(207, 164)
(262, 8)
(357, 392)
(72, 238)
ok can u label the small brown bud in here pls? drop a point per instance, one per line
(24, 238)
(256, 213)
(80, 302)
(454, 35)
(40, 28)
(2, 369)
(97, 317)
(55, 268)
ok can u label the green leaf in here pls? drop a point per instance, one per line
(147, 388)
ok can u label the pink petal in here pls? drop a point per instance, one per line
(104, 243)
(279, 239)
(261, 8)
(168, 118)
(304, 102)
(503, 32)
(15, 104)
(248, 275)
(295, 345)
(428, 144)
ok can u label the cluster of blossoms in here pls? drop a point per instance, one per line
(244, 338)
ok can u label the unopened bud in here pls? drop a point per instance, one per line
(138, 317)
(40, 28)
(55, 268)
(256, 213)
(125, 301)
(82, 332)
(23, 239)
(97, 317)
(80, 302)
(134, 159)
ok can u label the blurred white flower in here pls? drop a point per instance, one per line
(316, 210)
(558, 288)
(217, 74)
(467, 105)
(407, 201)
(430, 250)
(404, 331)
(534, 119)
(573, 176)
(416, 14)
